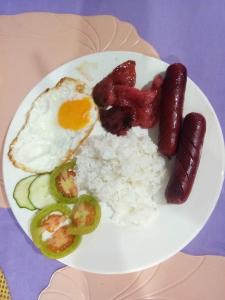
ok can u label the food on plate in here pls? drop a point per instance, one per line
(187, 158)
(147, 106)
(117, 120)
(56, 124)
(114, 97)
(171, 108)
(124, 173)
(21, 192)
(62, 183)
(86, 215)
(52, 231)
(124, 74)
(39, 191)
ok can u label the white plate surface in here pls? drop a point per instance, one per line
(111, 248)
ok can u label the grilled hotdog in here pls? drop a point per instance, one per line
(171, 108)
(187, 158)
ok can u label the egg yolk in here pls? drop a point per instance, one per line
(75, 114)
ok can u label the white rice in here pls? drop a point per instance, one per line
(125, 173)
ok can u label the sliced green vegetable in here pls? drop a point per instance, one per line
(62, 183)
(21, 192)
(86, 215)
(39, 192)
(56, 220)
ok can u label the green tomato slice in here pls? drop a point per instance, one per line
(62, 184)
(86, 215)
(61, 240)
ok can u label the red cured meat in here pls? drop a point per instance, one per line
(129, 106)
(144, 102)
(130, 96)
(117, 120)
(124, 74)
(145, 117)
(103, 93)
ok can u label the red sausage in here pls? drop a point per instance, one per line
(187, 159)
(171, 108)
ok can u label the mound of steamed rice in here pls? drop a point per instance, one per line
(125, 173)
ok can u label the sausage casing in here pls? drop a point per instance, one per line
(171, 108)
(187, 158)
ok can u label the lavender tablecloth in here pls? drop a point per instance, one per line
(189, 31)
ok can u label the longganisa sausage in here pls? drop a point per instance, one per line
(171, 108)
(187, 158)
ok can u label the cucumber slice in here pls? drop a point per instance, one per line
(39, 193)
(21, 191)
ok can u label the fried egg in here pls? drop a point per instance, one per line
(57, 123)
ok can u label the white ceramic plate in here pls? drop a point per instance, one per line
(115, 249)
